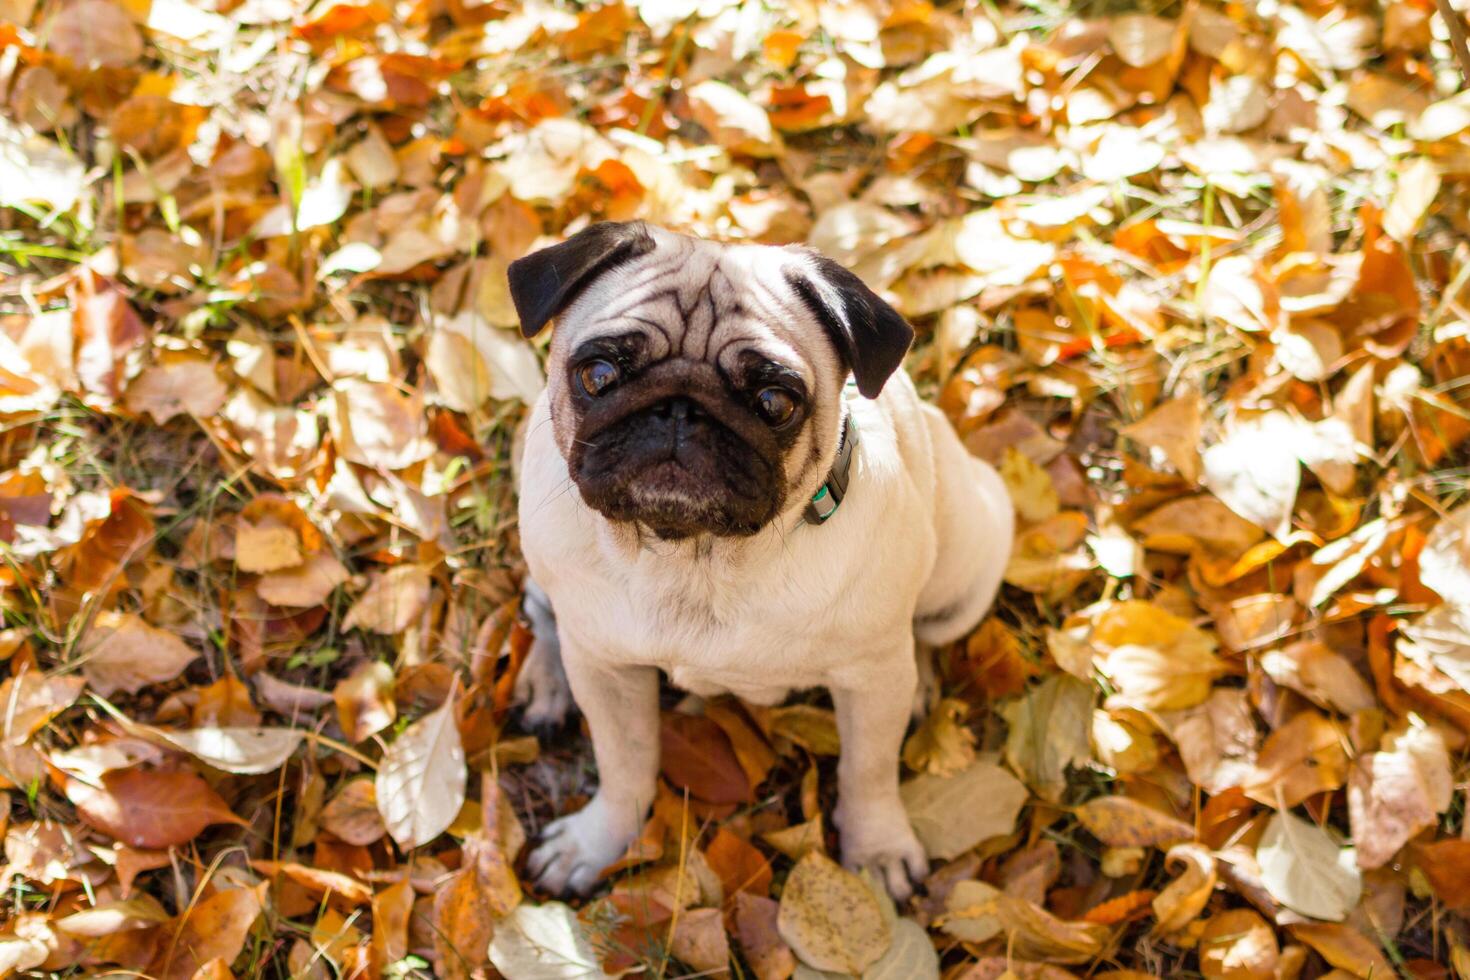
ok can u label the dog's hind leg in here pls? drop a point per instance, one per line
(542, 685)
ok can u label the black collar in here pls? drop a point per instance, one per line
(824, 502)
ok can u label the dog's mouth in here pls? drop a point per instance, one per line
(678, 461)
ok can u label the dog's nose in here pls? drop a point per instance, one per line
(679, 409)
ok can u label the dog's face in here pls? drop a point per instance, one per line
(696, 387)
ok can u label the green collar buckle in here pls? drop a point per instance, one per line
(825, 501)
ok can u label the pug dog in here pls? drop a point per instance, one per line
(727, 479)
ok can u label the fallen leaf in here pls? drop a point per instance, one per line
(1155, 659)
(696, 755)
(1305, 869)
(311, 583)
(1255, 471)
(1398, 791)
(364, 700)
(1238, 945)
(249, 751)
(1184, 898)
(1173, 428)
(215, 928)
(1119, 821)
(393, 600)
(1048, 733)
(1304, 757)
(952, 814)
(421, 780)
(124, 653)
(941, 745)
(1344, 947)
(147, 809)
(544, 942)
(353, 814)
(759, 939)
(830, 919)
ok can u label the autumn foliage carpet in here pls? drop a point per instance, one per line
(1192, 274)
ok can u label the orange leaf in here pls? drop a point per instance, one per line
(697, 756)
(1132, 905)
(740, 864)
(149, 809)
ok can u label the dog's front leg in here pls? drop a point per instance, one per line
(621, 708)
(875, 830)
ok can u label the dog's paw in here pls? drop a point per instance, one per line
(575, 849)
(887, 847)
(542, 690)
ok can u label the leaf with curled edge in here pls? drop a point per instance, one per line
(246, 751)
(1184, 898)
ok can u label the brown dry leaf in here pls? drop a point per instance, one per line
(318, 881)
(696, 755)
(1184, 898)
(1255, 471)
(1398, 791)
(1304, 757)
(953, 814)
(266, 546)
(30, 700)
(830, 919)
(124, 653)
(353, 814)
(310, 583)
(759, 939)
(1155, 659)
(1048, 733)
(379, 426)
(941, 745)
(699, 941)
(364, 699)
(740, 866)
(1238, 945)
(215, 928)
(393, 600)
(1314, 670)
(95, 34)
(1344, 947)
(147, 809)
(1445, 864)
(391, 910)
(463, 925)
(1030, 931)
(176, 385)
(1173, 428)
(733, 120)
(1119, 821)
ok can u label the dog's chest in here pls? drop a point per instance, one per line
(711, 629)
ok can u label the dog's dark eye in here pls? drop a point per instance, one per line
(596, 377)
(776, 405)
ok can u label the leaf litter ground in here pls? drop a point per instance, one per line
(1192, 275)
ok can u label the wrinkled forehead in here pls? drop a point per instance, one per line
(702, 300)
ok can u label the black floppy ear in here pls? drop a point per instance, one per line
(544, 283)
(870, 335)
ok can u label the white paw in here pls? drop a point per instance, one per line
(883, 841)
(575, 849)
(542, 688)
